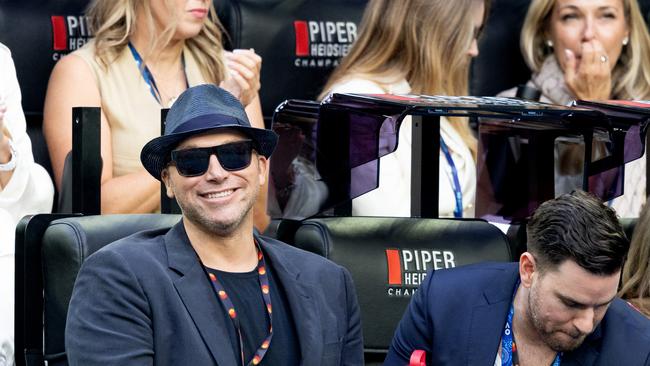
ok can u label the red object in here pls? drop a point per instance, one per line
(418, 358)
(631, 103)
(302, 38)
(396, 97)
(59, 33)
(394, 267)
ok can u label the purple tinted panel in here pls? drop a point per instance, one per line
(634, 143)
(515, 170)
(608, 184)
(350, 143)
(364, 178)
(371, 137)
(522, 165)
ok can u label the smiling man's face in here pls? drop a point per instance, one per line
(219, 201)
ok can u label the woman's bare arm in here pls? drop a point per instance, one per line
(72, 84)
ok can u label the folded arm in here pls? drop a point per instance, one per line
(72, 84)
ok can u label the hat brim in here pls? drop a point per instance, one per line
(155, 155)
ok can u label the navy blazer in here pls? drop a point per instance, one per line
(458, 315)
(146, 300)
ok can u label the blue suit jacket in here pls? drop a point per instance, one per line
(146, 300)
(458, 317)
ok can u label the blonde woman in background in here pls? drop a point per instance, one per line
(144, 54)
(636, 272)
(591, 50)
(416, 47)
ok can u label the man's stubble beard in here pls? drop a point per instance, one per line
(218, 228)
(532, 312)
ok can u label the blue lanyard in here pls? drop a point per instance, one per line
(148, 76)
(508, 346)
(455, 182)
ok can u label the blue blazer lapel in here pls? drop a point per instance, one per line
(197, 295)
(581, 357)
(587, 353)
(304, 309)
(487, 322)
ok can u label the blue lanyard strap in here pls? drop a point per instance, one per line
(455, 182)
(508, 346)
(227, 304)
(148, 76)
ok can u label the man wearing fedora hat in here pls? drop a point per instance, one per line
(209, 291)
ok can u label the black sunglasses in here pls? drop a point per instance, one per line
(194, 162)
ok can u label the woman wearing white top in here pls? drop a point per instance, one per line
(25, 188)
(419, 47)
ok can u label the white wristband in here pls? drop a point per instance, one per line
(11, 165)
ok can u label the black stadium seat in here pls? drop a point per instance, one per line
(388, 258)
(300, 41)
(38, 33)
(499, 65)
(64, 244)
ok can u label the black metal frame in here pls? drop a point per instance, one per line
(425, 111)
(87, 163)
(86, 160)
(28, 290)
(425, 152)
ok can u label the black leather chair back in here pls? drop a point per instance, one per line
(65, 244)
(300, 41)
(388, 259)
(499, 65)
(39, 33)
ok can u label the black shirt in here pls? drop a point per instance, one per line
(246, 296)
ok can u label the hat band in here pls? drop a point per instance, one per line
(207, 121)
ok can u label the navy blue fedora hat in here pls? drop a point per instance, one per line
(200, 109)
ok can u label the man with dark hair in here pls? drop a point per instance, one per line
(556, 306)
(209, 291)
